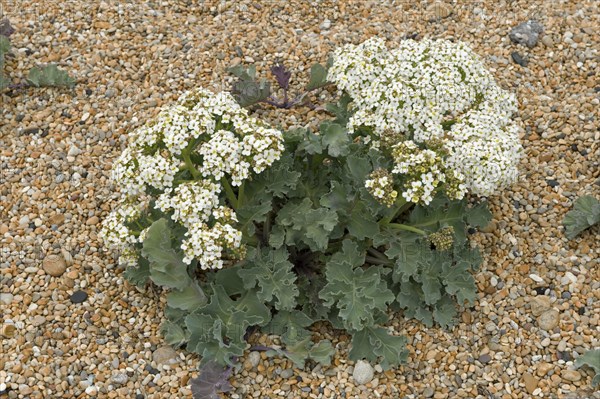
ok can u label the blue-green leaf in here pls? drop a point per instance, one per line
(585, 213)
(166, 264)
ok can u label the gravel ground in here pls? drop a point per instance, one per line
(72, 327)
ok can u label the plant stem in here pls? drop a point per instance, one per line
(229, 193)
(377, 261)
(240, 196)
(188, 161)
(399, 207)
(399, 226)
(377, 254)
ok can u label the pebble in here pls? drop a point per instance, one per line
(428, 392)
(325, 25)
(79, 296)
(54, 265)
(526, 33)
(165, 355)
(485, 358)
(120, 379)
(287, 373)
(363, 372)
(548, 320)
(531, 383)
(570, 375)
(519, 59)
(539, 304)
(6, 298)
(536, 278)
(254, 358)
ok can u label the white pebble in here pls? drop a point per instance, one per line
(536, 278)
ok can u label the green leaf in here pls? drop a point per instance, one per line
(190, 298)
(444, 312)
(230, 280)
(50, 75)
(279, 179)
(138, 275)
(336, 139)
(322, 352)
(283, 321)
(359, 168)
(362, 225)
(338, 197)
(253, 212)
(4, 46)
(166, 264)
(217, 329)
(318, 77)
(408, 251)
(312, 144)
(4, 83)
(585, 213)
(479, 215)
(442, 212)
(458, 280)
(591, 359)
(173, 333)
(311, 303)
(271, 272)
(411, 299)
(356, 292)
(303, 224)
(340, 110)
(373, 343)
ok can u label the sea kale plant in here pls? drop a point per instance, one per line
(46, 76)
(251, 228)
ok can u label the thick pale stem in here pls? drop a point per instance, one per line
(188, 161)
(229, 193)
(406, 227)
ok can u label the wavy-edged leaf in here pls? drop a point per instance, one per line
(479, 215)
(336, 139)
(318, 77)
(362, 224)
(585, 213)
(373, 343)
(138, 275)
(406, 249)
(591, 359)
(173, 333)
(444, 312)
(282, 75)
(213, 379)
(356, 292)
(322, 352)
(49, 75)
(190, 298)
(217, 329)
(167, 268)
(271, 273)
(411, 299)
(304, 224)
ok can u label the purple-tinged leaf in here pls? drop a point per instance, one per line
(6, 28)
(282, 75)
(212, 380)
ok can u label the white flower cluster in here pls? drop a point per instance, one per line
(423, 171)
(485, 153)
(211, 137)
(433, 91)
(117, 235)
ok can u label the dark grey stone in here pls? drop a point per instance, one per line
(526, 33)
